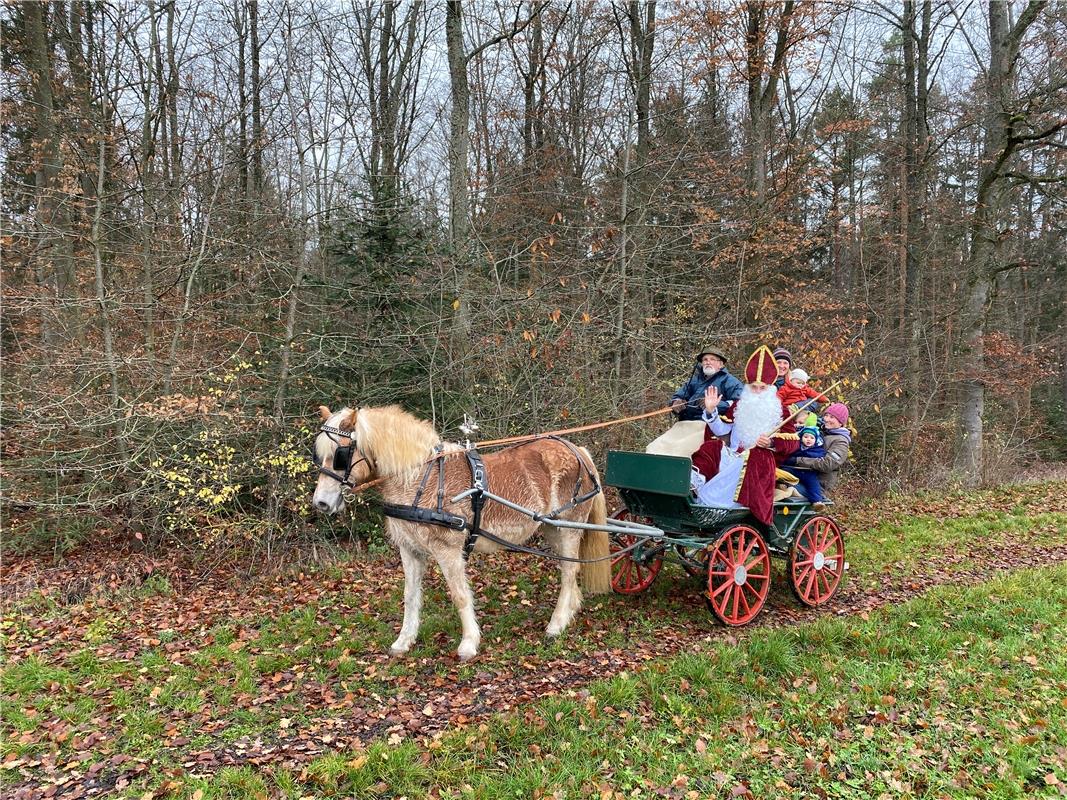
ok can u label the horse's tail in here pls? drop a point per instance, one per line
(596, 577)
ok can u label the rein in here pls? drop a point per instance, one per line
(578, 429)
(523, 439)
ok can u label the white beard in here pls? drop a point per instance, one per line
(755, 415)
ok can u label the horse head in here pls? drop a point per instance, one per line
(339, 458)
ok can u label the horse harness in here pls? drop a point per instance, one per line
(480, 484)
(342, 464)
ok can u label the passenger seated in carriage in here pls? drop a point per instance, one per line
(836, 441)
(796, 392)
(687, 403)
(811, 446)
(710, 370)
(736, 466)
(783, 362)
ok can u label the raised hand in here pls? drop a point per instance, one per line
(711, 399)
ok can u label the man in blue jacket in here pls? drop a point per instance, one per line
(710, 370)
(686, 435)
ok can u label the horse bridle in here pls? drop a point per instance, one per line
(342, 456)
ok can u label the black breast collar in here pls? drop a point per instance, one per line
(438, 516)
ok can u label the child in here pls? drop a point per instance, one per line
(796, 391)
(836, 441)
(811, 446)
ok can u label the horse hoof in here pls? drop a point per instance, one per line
(552, 632)
(467, 653)
(399, 650)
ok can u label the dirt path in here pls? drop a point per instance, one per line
(493, 690)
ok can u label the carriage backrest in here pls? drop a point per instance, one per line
(647, 472)
(652, 485)
(658, 486)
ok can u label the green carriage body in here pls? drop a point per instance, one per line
(657, 488)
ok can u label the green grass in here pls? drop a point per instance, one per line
(761, 708)
(960, 693)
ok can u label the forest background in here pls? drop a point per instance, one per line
(218, 215)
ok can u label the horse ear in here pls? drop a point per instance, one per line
(348, 422)
(324, 412)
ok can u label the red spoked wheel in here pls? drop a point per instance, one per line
(739, 576)
(817, 561)
(628, 575)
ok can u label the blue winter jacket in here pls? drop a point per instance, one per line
(693, 392)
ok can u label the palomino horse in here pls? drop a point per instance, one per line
(542, 475)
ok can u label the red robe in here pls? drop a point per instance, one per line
(756, 489)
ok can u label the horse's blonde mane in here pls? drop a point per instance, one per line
(396, 442)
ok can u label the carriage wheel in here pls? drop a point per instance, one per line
(629, 576)
(739, 575)
(816, 561)
(694, 561)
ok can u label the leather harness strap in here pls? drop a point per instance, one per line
(438, 515)
(428, 516)
(480, 483)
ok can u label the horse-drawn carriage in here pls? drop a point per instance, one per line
(443, 501)
(726, 548)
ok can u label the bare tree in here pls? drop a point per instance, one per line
(1006, 127)
(762, 78)
(638, 20)
(916, 41)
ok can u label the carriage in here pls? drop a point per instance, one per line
(725, 548)
(551, 486)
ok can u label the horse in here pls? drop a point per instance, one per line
(402, 451)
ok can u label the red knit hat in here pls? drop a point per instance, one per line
(761, 367)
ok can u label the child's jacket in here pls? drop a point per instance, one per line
(815, 451)
(790, 394)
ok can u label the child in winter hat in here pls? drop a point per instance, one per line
(795, 390)
(811, 446)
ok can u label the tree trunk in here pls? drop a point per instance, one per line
(257, 102)
(173, 135)
(386, 192)
(241, 31)
(915, 134)
(763, 94)
(624, 239)
(47, 228)
(639, 44)
(981, 267)
(459, 209)
(531, 79)
(103, 304)
(148, 229)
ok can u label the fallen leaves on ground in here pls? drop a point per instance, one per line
(315, 711)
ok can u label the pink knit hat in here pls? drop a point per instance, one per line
(837, 411)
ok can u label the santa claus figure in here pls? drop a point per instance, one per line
(736, 466)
